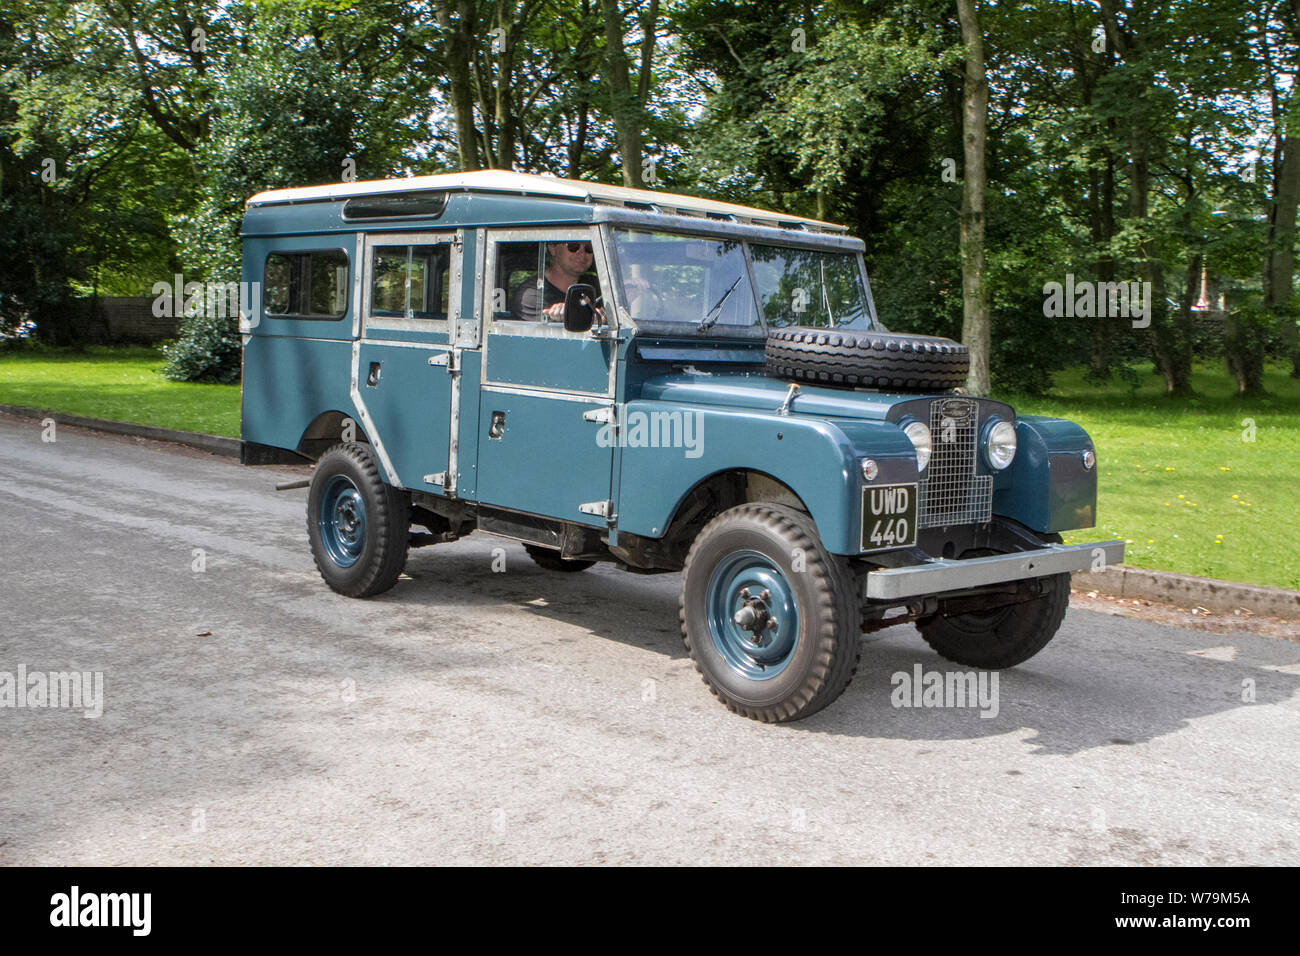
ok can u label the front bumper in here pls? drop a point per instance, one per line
(939, 575)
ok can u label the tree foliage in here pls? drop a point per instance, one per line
(1126, 141)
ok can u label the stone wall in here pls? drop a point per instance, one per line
(123, 319)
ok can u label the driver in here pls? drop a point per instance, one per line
(566, 264)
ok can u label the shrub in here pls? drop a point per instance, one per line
(208, 350)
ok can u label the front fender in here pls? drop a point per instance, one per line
(817, 458)
(1047, 487)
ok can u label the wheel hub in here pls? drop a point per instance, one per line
(754, 615)
(753, 618)
(341, 521)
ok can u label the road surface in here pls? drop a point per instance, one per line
(472, 715)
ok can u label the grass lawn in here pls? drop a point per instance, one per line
(121, 384)
(1180, 480)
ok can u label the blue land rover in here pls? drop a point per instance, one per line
(661, 382)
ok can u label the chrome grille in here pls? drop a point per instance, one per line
(952, 493)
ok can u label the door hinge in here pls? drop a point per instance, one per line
(439, 479)
(603, 416)
(446, 359)
(603, 508)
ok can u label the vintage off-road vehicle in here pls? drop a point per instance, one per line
(661, 382)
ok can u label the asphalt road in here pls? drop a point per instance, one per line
(250, 715)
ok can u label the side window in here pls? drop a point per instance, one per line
(411, 281)
(306, 284)
(531, 277)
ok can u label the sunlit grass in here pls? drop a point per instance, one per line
(1181, 480)
(122, 384)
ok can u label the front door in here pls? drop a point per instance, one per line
(547, 394)
(406, 360)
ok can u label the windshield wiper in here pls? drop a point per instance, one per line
(710, 318)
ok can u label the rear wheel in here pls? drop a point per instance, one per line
(358, 526)
(768, 615)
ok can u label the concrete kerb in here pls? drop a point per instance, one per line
(216, 444)
(1183, 590)
(1122, 581)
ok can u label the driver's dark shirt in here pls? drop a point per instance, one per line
(524, 308)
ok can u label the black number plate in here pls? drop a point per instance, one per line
(888, 517)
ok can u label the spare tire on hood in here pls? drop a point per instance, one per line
(852, 359)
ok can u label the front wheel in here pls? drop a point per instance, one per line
(768, 615)
(1004, 636)
(359, 526)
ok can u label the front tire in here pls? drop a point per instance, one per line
(769, 616)
(1002, 637)
(359, 526)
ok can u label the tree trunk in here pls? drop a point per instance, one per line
(460, 51)
(975, 333)
(1279, 256)
(624, 106)
(1102, 213)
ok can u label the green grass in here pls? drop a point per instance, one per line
(122, 384)
(1169, 469)
(1180, 483)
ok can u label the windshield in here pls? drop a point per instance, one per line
(704, 282)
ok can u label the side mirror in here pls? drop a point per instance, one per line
(579, 308)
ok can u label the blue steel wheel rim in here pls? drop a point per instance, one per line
(341, 521)
(775, 648)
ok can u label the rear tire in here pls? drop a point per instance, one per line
(358, 525)
(1005, 636)
(551, 560)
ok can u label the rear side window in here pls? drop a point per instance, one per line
(308, 284)
(411, 282)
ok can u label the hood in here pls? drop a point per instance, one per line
(759, 391)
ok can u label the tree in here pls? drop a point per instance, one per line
(975, 297)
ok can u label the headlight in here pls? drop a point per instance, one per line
(919, 433)
(1000, 445)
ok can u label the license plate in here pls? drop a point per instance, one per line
(888, 517)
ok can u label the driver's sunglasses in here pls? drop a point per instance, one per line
(580, 246)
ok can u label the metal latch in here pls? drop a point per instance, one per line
(789, 399)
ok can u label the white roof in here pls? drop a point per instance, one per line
(497, 180)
